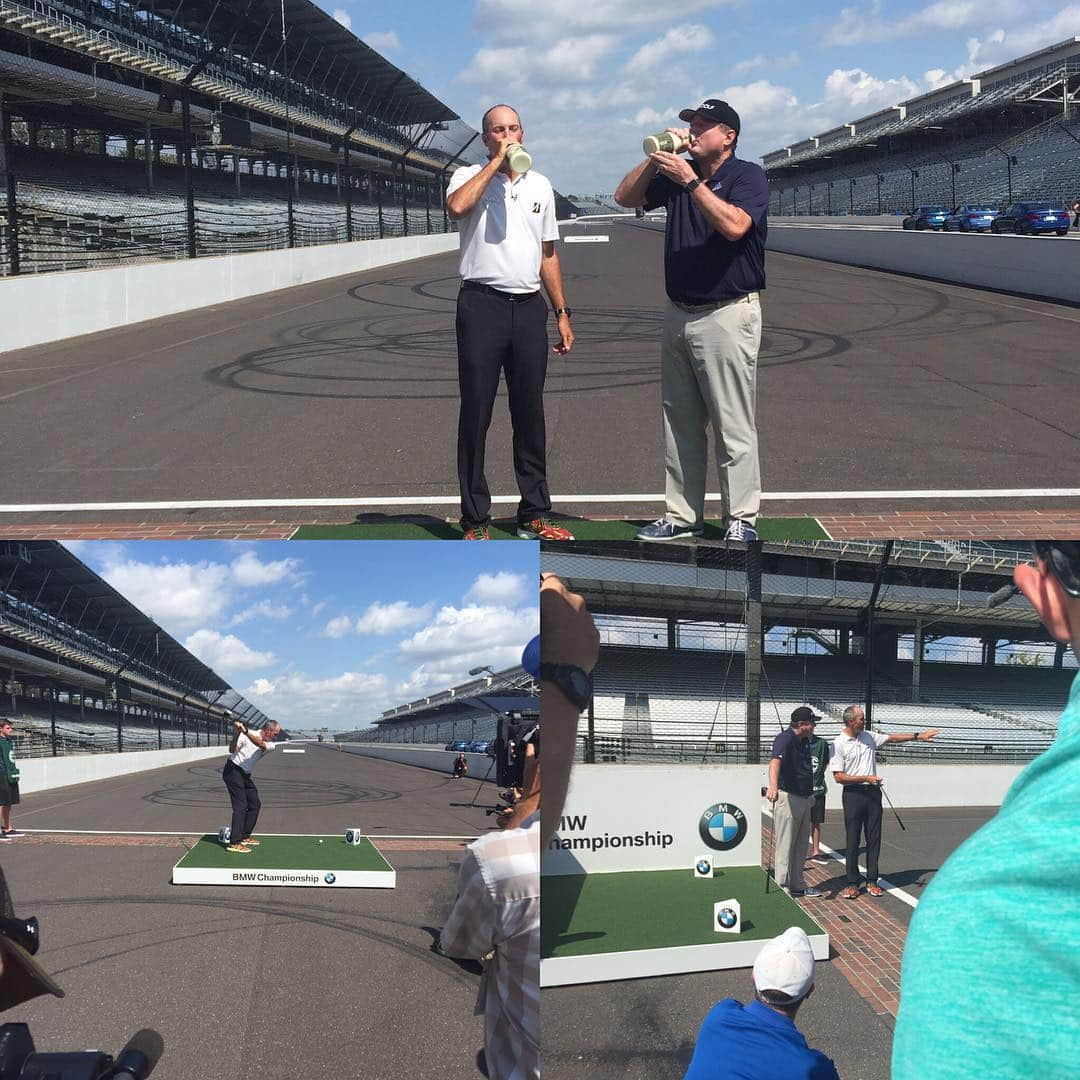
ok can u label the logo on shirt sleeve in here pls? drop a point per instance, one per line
(536, 208)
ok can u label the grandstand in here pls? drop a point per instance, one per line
(1007, 134)
(135, 131)
(469, 711)
(85, 671)
(682, 678)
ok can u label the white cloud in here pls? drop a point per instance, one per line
(264, 609)
(854, 92)
(502, 588)
(382, 618)
(249, 571)
(225, 652)
(338, 627)
(383, 41)
(346, 701)
(1000, 45)
(343, 17)
(860, 25)
(174, 594)
(671, 47)
(774, 63)
(570, 60)
(461, 638)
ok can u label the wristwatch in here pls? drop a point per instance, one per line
(563, 311)
(693, 184)
(572, 681)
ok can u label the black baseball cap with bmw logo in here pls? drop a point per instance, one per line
(719, 112)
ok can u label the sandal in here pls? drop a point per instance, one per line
(851, 892)
(875, 890)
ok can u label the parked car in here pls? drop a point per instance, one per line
(456, 747)
(926, 217)
(480, 746)
(971, 218)
(1029, 218)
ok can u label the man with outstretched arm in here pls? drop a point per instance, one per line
(247, 747)
(854, 766)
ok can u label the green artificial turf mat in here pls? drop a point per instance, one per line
(287, 853)
(587, 914)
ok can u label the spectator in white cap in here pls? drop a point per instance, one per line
(760, 1039)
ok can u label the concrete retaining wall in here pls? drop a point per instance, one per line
(940, 785)
(424, 757)
(49, 307)
(1043, 266)
(44, 774)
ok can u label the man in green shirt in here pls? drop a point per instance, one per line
(991, 971)
(9, 781)
(820, 752)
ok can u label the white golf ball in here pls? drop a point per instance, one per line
(320, 841)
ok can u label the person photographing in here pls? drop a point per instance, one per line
(247, 747)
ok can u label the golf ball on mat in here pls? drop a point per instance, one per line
(320, 841)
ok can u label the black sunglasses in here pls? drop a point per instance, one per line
(1063, 558)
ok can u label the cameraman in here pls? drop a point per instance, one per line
(990, 978)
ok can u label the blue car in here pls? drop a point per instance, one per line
(926, 217)
(1031, 218)
(971, 219)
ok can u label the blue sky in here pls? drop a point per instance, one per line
(331, 634)
(591, 78)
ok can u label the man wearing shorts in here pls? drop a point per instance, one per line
(820, 752)
(9, 781)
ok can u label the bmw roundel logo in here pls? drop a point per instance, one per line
(704, 867)
(330, 878)
(722, 826)
(726, 918)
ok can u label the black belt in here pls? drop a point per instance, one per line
(693, 306)
(514, 298)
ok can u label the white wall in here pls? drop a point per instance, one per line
(1045, 266)
(424, 757)
(44, 774)
(49, 307)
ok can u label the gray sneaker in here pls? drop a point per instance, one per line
(740, 530)
(811, 892)
(662, 529)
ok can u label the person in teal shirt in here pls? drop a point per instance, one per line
(9, 781)
(990, 982)
(820, 752)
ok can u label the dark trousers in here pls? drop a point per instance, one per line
(245, 801)
(862, 813)
(497, 334)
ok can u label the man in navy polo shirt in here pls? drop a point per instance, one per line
(761, 1039)
(791, 791)
(714, 269)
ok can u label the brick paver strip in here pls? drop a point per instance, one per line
(909, 525)
(868, 942)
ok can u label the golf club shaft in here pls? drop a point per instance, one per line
(892, 808)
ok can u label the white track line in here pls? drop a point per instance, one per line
(441, 500)
(192, 832)
(888, 886)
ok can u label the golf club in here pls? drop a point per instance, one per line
(769, 853)
(891, 807)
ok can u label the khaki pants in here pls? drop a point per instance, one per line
(791, 820)
(708, 364)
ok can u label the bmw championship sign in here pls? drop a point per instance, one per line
(657, 817)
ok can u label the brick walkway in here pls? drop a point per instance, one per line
(866, 941)
(954, 525)
(905, 524)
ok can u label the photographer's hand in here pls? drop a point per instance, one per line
(568, 635)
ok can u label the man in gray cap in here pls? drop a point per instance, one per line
(714, 269)
(760, 1039)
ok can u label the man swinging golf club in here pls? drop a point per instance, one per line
(246, 748)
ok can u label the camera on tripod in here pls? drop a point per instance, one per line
(20, 1061)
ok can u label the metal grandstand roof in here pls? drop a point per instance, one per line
(501, 691)
(330, 55)
(791, 595)
(50, 579)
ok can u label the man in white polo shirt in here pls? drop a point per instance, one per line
(246, 748)
(854, 766)
(508, 234)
